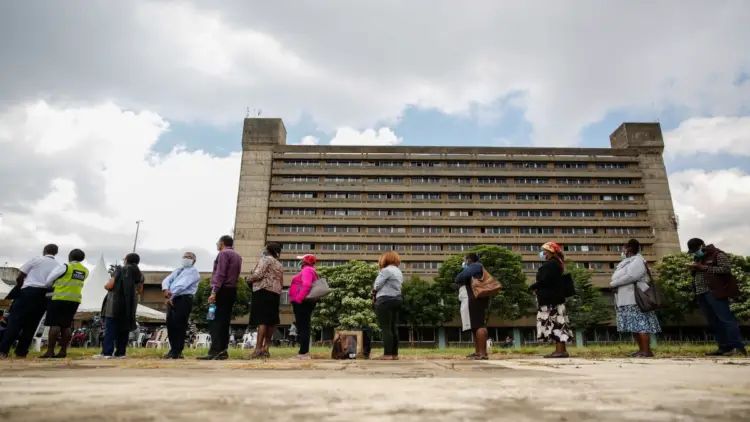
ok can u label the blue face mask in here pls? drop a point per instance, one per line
(699, 254)
(541, 256)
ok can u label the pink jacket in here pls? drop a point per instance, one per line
(302, 283)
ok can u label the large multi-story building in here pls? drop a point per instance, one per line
(427, 203)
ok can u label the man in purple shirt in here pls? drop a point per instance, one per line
(223, 293)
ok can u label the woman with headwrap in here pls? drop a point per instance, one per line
(552, 317)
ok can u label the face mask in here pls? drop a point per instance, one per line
(699, 254)
(187, 262)
(541, 256)
(464, 264)
(623, 255)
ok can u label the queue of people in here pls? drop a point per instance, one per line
(44, 285)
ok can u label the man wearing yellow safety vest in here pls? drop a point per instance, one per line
(68, 283)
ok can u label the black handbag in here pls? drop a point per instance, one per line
(650, 299)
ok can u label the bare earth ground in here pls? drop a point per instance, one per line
(407, 390)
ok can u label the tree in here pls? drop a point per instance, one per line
(514, 300)
(587, 308)
(349, 305)
(200, 301)
(677, 284)
(424, 305)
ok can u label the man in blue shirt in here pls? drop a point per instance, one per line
(179, 288)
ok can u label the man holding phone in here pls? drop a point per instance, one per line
(714, 285)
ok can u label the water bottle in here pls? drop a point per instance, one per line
(211, 312)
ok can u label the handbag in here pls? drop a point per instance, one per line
(487, 286)
(650, 299)
(319, 289)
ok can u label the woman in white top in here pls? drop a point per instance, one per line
(632, 271)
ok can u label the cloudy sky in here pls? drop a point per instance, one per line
(111, 112)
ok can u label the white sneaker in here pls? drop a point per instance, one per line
(119, 357)
(303, 357)
(101, 357)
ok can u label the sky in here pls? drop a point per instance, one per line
(112, 112)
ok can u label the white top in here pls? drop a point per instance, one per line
(628, 272)
(38, 270)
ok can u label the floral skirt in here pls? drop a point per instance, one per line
(630, 319)
(552, 324)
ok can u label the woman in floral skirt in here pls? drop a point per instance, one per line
(552, 317)
(632, 271)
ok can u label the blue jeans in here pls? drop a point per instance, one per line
(722, 321)
(115, 340)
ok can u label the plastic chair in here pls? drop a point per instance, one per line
(159, 341)
(202, 340)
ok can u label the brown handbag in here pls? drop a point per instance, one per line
(487, 286)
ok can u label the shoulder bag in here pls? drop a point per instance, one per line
(487, 286)
(319, 289)
(650, 299)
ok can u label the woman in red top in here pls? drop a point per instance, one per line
(303, 307)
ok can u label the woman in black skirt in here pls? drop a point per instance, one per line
(266, 280)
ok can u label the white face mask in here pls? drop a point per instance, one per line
(623, 255)
(187, 262)
(541, 256)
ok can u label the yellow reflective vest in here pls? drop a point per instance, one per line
(69, 285)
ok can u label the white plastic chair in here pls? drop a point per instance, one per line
(159, 341)
(249, 340)
(202, 340)
(39, 341)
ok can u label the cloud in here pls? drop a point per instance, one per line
(82, 176)
(349, 136)
(309, 140)
(709, 135)
(350, 64)
(714, 206)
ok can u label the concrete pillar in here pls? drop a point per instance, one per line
(516, 338)
(441, 338)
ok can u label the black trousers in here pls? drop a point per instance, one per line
(178, 316)
(387, 312)
(303, 316)
(219, 327)
(26, 313)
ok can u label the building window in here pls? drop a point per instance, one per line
(387, 179)
(581, 248)
(573, 181)
(534, 213)
(340, 247)
(461, 180)
(497, 230)
(384, 196)
(460, 196)
(297, 229)
(536, 230)
(342, 195)
(623, 230)
(384, 247)
(459, 213)
(615, 181)
(578, 230)
(530, 165)
(577, 213)
(458, 164)
(620, 214)
(575, 197)
(302, 163)
(426, 164)
(298, 211)
(343, 163)
(618, 197)
(342, 212)
(462, 230)
(297, 246)
(533, 197)
(289, 264)
(494, 196)
(298, 195)
(425, 196)
(529, 248)
(341, 229)
(423, 180)
(301, 179)
(331, 263)
(610, 166)
(426, 213)
(492, 164)
(491, 180)
(427, 230)
(459, 247)
(531, 180)
(428, 265)
(343, 179)
(496, 213)
(426, 248)
(571, 165)
(387, 230)
(531, 266)
(597, 266)
(386, 213)
(389, 163)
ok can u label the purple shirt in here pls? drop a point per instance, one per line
(227, 268)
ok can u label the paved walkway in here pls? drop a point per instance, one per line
(407, 390)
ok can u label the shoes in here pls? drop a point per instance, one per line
(302, 357)
(471, 356)
(101, 357)
(642, 355)
(717, 353)
(557, 355)
(47, 356)
(207, 357)
(736, 352)
(478, 357)
(61, 356)
(220, 356)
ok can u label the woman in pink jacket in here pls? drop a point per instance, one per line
(303, 309)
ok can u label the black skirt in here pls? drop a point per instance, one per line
(477, 310)
(264, 308)
(60, 313)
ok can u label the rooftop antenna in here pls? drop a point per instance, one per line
(247, 112)
(260, 111)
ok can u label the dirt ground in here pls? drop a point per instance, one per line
(407, 390)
